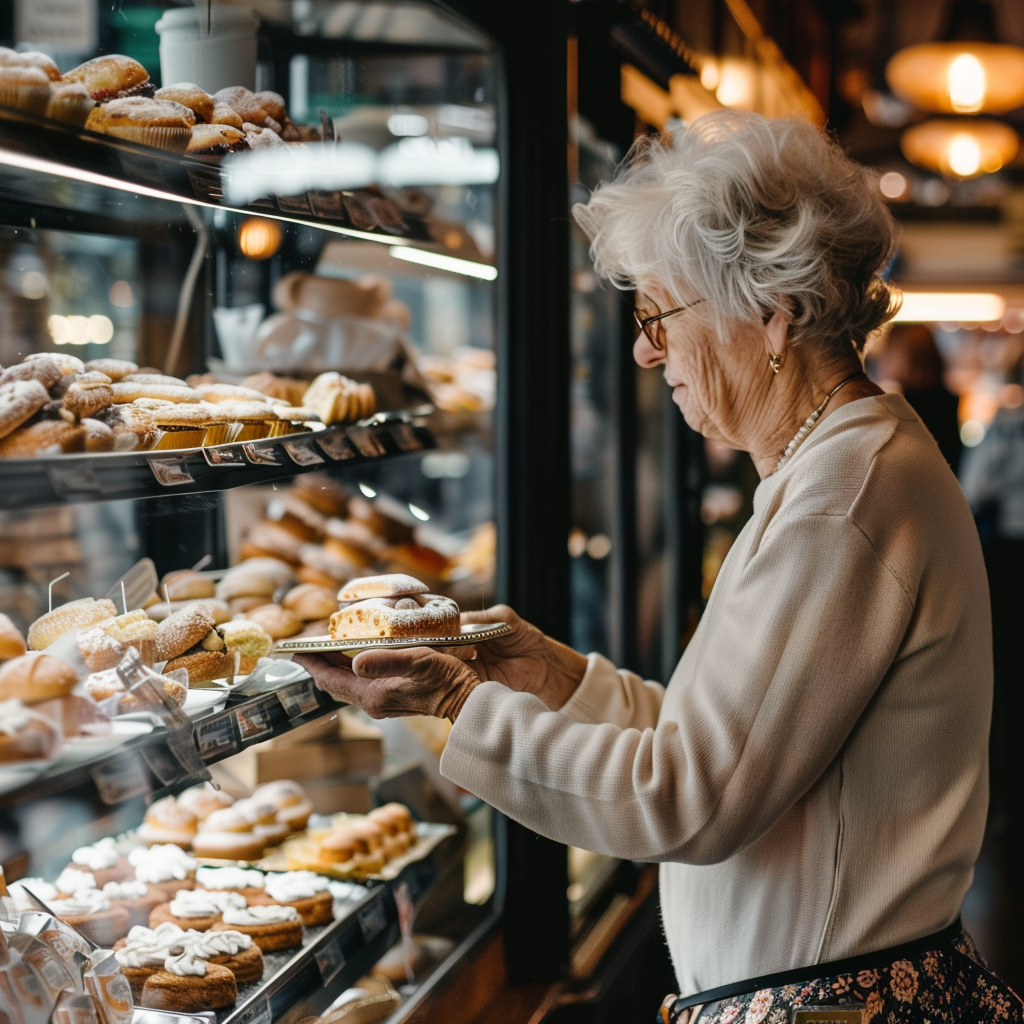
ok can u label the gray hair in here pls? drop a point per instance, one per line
(755, 216)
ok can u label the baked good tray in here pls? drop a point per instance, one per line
(471, 634)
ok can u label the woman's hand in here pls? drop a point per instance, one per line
(527, 660)
(393, 683)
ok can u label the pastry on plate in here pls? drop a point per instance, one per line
(392, 606)
(270, 927)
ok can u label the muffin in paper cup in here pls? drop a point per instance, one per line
(221, 433)
(254, 430)
(175, 140)
(282, 428)
(69, 103)
(180, 437)
(24, 87)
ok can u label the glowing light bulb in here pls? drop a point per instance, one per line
(963, 154)
(965, 83)
(368, 491)
(892, 185)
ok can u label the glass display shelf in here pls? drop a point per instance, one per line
(106, 476)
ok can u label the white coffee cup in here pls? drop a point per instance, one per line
(212, 47)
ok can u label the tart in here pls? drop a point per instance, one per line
(233, 950)
(270, 927)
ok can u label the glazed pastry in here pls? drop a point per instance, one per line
(181, 631)
(427, 615)
(270, 927)
(246, 882)
(278, 623)
(136, 897)
(19, 401)
(189, 984)
(134, 429)
(289, 799)
(307, 892)
(164, 866)
(228, 834)
(111, 77)
(204, 799)
(309, 601)
(216, 140)
(73, 615)
(103, 861)
(233, 950)
(45, 369)
(35, 677)
(187, 585)
(191, 908)
(84, 398)
(223, 114)
(244, 102)
(190, 95)
(92, 914)
(12, 643)
(166, 822)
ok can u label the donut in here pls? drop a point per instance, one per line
(115, 369)
(181, 631)
(12, 643)
(428, 615)
(202, 666)
(35, 677)
(73, 615)
(309, 601)
(19, 401)
(390, 585)
(278, 623)
(187, 585)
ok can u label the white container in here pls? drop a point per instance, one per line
(215, 59)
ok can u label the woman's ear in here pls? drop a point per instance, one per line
(776, 333)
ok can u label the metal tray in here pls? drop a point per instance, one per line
(471, 634)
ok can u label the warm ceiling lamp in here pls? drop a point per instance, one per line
(960, 147)
(968, 71)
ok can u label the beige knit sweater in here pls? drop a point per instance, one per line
(813, 779)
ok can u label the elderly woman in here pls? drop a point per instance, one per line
(813, 779)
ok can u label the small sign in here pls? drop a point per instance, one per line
(224, 457)
(336, 447)
(367, 442)
(120, 778)
(257, 1012)
(261, 456)
(330, 959)
(170, 472)
(372, 920)
(405, 437)
(253, 721)
(302, 453)
(299, 700)
(215, 737)
(66, 25)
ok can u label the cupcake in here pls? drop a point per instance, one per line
(24, 87)
(257, 418)
(164, 866)
(160, 123)
(166, 822)
(69, 102)
(290, 800)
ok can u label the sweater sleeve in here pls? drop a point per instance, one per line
(606, 694)
(805, 636)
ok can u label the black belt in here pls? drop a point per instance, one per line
(848, 965)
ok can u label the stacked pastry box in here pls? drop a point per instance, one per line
(187, 934)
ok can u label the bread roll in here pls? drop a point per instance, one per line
(35, 677)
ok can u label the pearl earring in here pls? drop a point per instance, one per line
(775, 360)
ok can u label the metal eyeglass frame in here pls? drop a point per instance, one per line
(643, 321)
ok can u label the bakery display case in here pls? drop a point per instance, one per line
(254, 321)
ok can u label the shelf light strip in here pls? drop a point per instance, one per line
(468, 268)
(32, 163)
(936, 307)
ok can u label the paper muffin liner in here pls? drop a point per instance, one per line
(254, 430)
(175, 140)
(283, 427)
(221, 433)
(25, 97)
(180, 437)
(73, 110)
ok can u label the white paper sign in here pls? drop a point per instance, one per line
(58, 25)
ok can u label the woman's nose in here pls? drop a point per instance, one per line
(644, 353)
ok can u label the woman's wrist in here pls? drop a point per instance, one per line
(567, 668)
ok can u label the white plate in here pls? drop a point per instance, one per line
(471, 634)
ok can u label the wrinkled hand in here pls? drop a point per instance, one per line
(395, 683)
(527, 659)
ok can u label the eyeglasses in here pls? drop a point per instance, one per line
(655, 336)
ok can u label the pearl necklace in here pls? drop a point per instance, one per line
(809, 423)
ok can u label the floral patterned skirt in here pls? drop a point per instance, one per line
(948, 985)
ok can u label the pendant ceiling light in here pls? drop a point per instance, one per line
(960, 147)
(967, 71)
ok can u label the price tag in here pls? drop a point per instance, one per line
(336, 447)
(120, 779)
(367, 442)
(224, 457)
(372, 920)
(403, 900)
(170, 472)
(299, 700)
(405, 437)
(74, 477)
(257, 1012)
(302, 453)
(215, 737)
(261, 456)
(330, 959)
(253, 720)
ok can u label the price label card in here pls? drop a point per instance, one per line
(303, 453)
(367, 443)
(336, 447)
(261, 456)
(405, 437)
(257, 1012)
(372, 920)
(216, 737)
(224, 457)
(330, 959)
(120, 779)
(299, 700)
(170, 472)
(253, 720)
